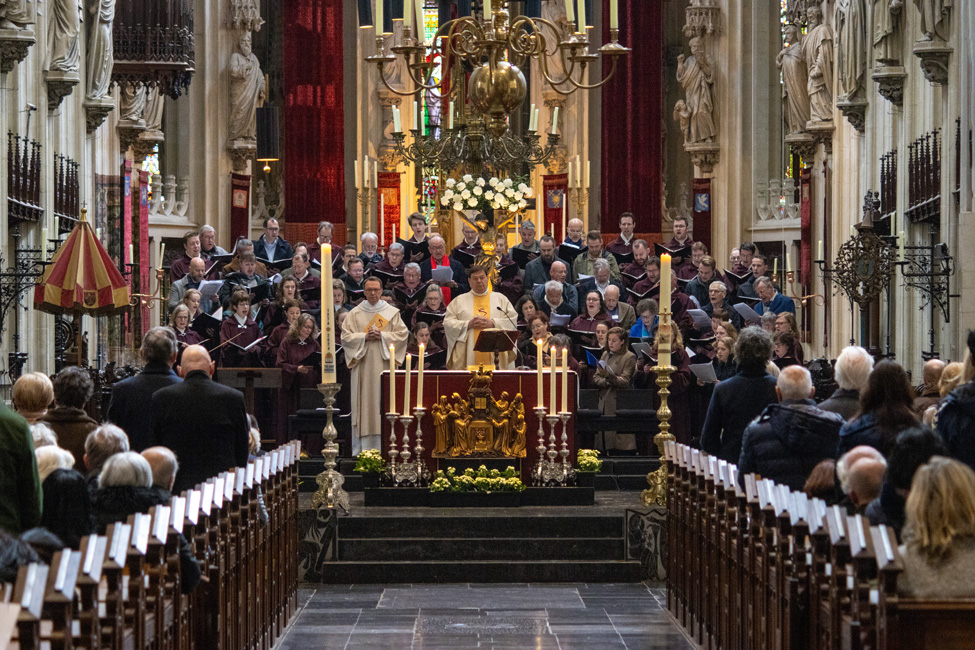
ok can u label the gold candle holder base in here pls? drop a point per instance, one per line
(330, 493)
(657, 479)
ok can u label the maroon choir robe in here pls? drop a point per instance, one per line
(431, 348)
(242, 335)
(413, 296)
(642, 287)
(680, 303)
(679, 400)
(463, 247)
(273, 342)
(621, 247)
(514, 286)
(315, 251)
(290, 356)
(185, 339)
(179, 268)
(313, 285)
(586, 323)
(437, 333)
(632, 273)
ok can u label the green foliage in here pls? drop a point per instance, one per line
(587, 460)
(369, 461)
(480, 480)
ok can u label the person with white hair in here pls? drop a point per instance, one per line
(100, 445)
(853, 368)
(164, 467)
(43, 435)
(50, 458)
(790, 438)
(208, 243)
(370, 249)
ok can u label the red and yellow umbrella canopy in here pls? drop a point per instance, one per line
(81, 278)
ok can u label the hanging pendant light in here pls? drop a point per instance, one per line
(268, 136)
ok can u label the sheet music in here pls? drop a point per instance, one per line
(704, 372)
(749, 314)
(442, 274)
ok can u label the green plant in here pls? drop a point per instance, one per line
(587, 460)
(368, 461)
(480, 480)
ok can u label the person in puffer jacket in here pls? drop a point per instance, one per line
(956, 416)
(789, 439)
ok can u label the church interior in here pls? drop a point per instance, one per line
(487, 324)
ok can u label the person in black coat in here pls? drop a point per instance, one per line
(739, 400)
(67, 507)
(131, 397)
(956, 417)
(438, 251)
(204, 423)
(790, 438)
(282, 250)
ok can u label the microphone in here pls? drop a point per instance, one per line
(513, 324)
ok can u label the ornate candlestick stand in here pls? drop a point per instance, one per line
(422, 473)
(657, 492)
(393, 454)
(537, 471)
(330, 493)
(406, 470)
(568, 471)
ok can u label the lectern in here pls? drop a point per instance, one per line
(496, 341)
(247, 379)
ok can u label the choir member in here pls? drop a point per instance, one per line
(633, 272)
(724, 358)
(179, 320)
(349, 253)
(584, 264)
(744, 262)
(679, 400)
(587, 366)
(243, 246)
(325, 229)
(621, 313)
(643, 288)
(726, 329)
(680, 304)
(393, 265)
(292, 310)
(616, 374)
(181, 265)
(646, 325)
(439, 258)
(246, 279)
(538, 326)
(595, 312)
(192, 299)
(690, 270)
(575, 229)
(786, 322)
(297, 371)
(717, 300)
(370, 248)
(238, 329)
(470, 246)
(432, 304)
(554, 302)
(208, 243)
(271, 246)
(783, 344)
(307, 282)
(680, 239)
(355, 279)
(274, 314)
(340, 297)
(410, 292)
(421, 334)
(528, 241)
(562, 341)
(623, 245)
(525, 308)
(511, 286)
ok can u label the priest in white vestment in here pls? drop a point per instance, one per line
(470, 313)
(367, 333)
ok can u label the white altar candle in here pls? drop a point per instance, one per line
(131, 255)
(555, 119)
(375, 174)
(328, 318)
(43, 245)
(397, 126)
(553, 377)
(614, 14)
(392, 379)
(788, 262)
(57, 227)
(408, 368)
(565, 380)
(365, 171)
(539, 365)
(419, 378)
(162, 253)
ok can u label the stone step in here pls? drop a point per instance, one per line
(411, 571)
(473, 549)
(486, 525)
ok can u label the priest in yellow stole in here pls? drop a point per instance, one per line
(367, 333)
(468, 315)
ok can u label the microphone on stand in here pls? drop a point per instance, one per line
(513, 323)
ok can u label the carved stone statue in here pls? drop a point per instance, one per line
(697, 78)
(851, 47)
(63, 28)
(100, 48)
(247, 91)
(16, 14)
(153, 111)
(818, 49)
(795, 78)
(887, 31)
(934, 18)
(246, 15)
(132, 103)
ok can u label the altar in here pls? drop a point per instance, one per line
(467, 417)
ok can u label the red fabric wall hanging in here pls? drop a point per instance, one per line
(314, 123)
(555, 194)
(240, 201)
(389, 191)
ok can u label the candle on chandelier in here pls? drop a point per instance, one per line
(379, 16)
(537, 111)
(408, 14)
(416, 115)
(581, 15)
(397, 126)
(423, 110)
(408, 368)
(162, 253)
(450, 116)
(788, 262)
(419, 379)
(531, 119)
(540, 366)
(775, 267)
(570, 11)
(131, 255)
(588, 163)
(555, 119)
(57, 227)
(570, 174)
(420, 33)
(365, 171)
(614, 14)
(820, 250)
(375, 174)
(900, 245)
(487, 10)
(565, 380)
(392, 378)
(578, 171)
(43, 239)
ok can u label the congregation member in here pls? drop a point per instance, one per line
(51, 458)
(622, 246)
(700, 283)
(956, 416)
(601, 280)
(246, 279)
(930, 394)
(194, 277)
(20, 484)
(164, 466)
(271, 246)
(208, 243)
(438, 258)
(791, 437)
(771, 301)
(66, 504)
(852, 370)
(191, 250)
(585, 264)
(620, 313)
(558, 272)
(538, 271)
(205, 446)
(237, 331)
(939, 532)
(886, 409)
(324, 236)
(614, 375)
(468, 248)
(471, 313)
(649, 286)
(132, 397)
(528, 242)
(860, 473)
(575, 231)
(367, 334)
(32, 395)
(243, 247)
(73, 389)
(646, 325)
(739, 400)
(391, 269)
(786, 322)
(632, 272)
(297, 371)
(354, 279)
(100, 445)
(951, 378)
(553, 300)
(369, 242)
(309, 285)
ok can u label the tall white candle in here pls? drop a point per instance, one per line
(419, 378)
(570, 11)
(365, 171)
(131, 254)
(382, 220)
(375, 174)
(57, 227)
(581, 15)
(565, 380)
(408, 367)
(775, 267)
(537, 111)
(357, 180)
(162, 253)
(420, 26)
(408, 14)
(450, 116)
(392, 379)
(379, 16)
(614, 14)
(788, 262)
(531, 119)
(663, 352)
(900, 240)
(565, 201)
(553, 368)
(328, 318)
(820, 250)
(488, 14)
(555, 119)
(397, 126)
(540, 365)
(43, 245)
(586, 186)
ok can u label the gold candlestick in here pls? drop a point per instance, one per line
(657, 492)
(330, 493)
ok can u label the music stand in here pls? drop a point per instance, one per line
(247, 379)
(496, 341)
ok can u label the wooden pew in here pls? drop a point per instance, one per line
(59, 598)
(9, 613)
(94, 552)
(28, 594)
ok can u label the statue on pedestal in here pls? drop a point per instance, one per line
(100, 48)
(247, 92)
(934, 18)
(818, 49)
(63, 29)
(887, 31)
(16, 14)
(851, 45)
(696, 76)
(795, 78)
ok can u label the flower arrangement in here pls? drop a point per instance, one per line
(486, 195)
(480, 480)
(369, 461)
(587, 460)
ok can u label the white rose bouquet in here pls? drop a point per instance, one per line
(488, 195)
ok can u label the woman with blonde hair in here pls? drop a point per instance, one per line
(951, 378)
(192, 299)
(297, 371)
(33, 393)
(939, 532)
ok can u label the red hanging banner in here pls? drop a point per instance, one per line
(240, 192)
(555, 209)
(388, 208)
